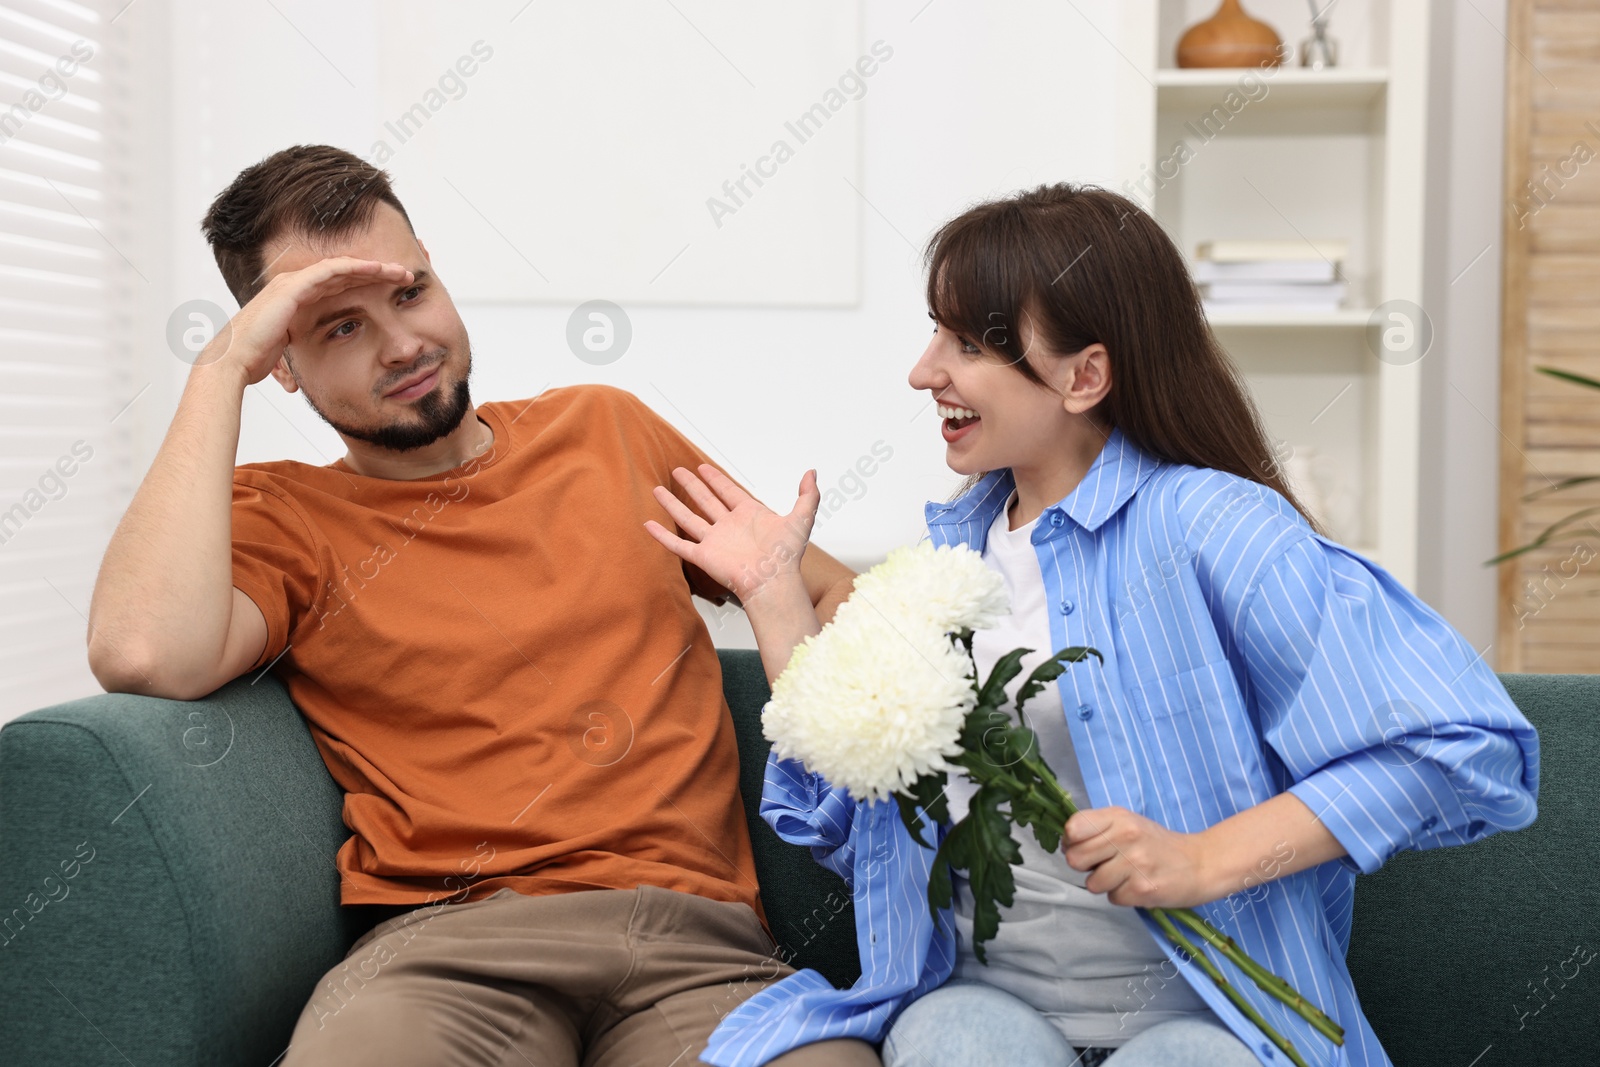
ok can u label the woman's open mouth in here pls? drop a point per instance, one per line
(957, 421)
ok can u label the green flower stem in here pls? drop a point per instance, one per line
(1265, 979)
(1040, 768)
(1057, 800)
(1160, 915)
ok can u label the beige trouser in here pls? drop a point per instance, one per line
(607, 978)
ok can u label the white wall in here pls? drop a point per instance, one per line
(1461, 390)
(976, 101)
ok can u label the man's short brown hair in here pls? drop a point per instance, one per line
(316, 192)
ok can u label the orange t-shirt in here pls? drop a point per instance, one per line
(501, 668)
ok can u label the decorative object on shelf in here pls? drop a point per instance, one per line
(1301, 275)
(1319, 51)
(1230, 38)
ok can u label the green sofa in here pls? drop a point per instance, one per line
(169, 894)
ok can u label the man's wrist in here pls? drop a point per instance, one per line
(228, 375)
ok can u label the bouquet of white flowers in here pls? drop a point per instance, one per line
(886, 702)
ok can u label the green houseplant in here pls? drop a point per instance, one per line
(1569, 521)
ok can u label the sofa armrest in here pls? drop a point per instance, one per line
(167, 885)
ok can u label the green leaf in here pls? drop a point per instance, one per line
(940, 889)
(1545, 536)
(992, 745)
(1031, 809)
(1565, 483)
(927, 793)
(1556, 527)
(1051, 669)
(981, 844)
(973, 727)
(1042, 675)
(963, 637)
(1494, 561)
(993, 693)
(1568, 376)
(994, 742)
(912, 820)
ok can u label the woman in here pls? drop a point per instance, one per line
(1274, 713)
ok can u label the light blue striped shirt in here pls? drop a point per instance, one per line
(1245, 655)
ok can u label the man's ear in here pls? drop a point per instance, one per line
(425, 254)
(280, 371)
(1088, 379)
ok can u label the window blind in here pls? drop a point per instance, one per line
(65, 358)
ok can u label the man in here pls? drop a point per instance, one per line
(501, 668)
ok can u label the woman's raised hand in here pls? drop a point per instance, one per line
(737, 540)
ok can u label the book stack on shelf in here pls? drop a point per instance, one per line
(1242, 276)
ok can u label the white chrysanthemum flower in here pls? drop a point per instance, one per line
(948, 587)
(877, 699)
(869, 705)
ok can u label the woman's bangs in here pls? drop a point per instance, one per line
(973, 286)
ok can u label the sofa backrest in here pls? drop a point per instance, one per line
(1458, 950)
(808, 907)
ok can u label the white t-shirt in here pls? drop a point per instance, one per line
(1087, 965)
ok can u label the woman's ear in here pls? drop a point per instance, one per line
(1088, 379)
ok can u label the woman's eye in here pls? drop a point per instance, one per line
(967, 347)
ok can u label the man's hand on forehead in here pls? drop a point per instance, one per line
(256, 337)
(324, 310)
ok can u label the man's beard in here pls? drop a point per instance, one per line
(441, 411)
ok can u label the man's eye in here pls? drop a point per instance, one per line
(338, 331)
(415, 289)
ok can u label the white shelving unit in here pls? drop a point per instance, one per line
(1239, 317)
(1292, 88)
(1291, 153)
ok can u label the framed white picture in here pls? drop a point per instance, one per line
(640, 151)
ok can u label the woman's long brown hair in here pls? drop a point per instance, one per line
(1085, 265)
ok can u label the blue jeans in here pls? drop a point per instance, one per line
(965, 1023)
